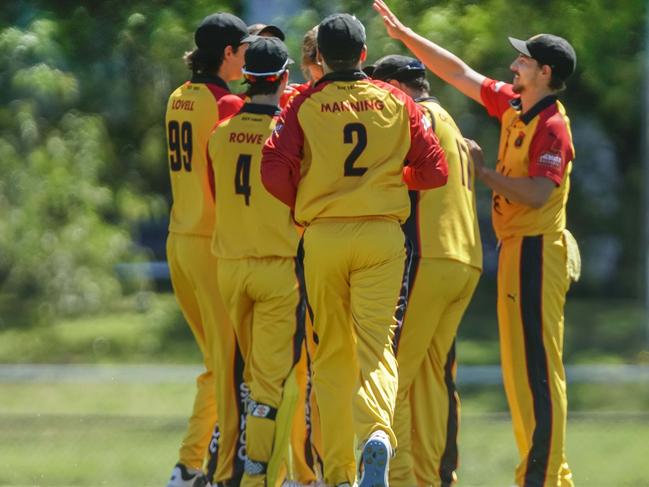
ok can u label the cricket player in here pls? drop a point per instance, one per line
(192, 111)
(255, 242)
(446, 266)
(530, 187)
(341, 157)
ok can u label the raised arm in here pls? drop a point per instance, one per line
(443, 63)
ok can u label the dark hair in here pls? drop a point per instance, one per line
(342, 64)
(262, 87)
(203, 62)
(556, 82)
(418, 85)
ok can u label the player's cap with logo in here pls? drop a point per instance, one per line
(268, 30)
(397, 67)
(341, 37)
(219, 30)
(550, 50)
(267, 58)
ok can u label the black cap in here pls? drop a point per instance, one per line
(219, 30)
(268, 29)
(400, 68)
(549, 49)
(368, 69)
(266, 56)
(341, 37)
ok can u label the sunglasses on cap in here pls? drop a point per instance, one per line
(270, 77)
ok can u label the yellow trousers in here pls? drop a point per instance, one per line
(267, 309)
(305, 435)
(427, 405)
(193, 275)
(353, 271)
(532, 285)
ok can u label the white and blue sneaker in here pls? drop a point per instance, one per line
(182, 476)
(375, 460)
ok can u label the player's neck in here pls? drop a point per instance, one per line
(531, 97)
(272, 100)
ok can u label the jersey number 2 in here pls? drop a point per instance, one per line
(361, 142)
(242, 177)
(180, 145)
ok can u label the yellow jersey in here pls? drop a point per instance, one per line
(192, 111)
(443, 222)
(348, 147)
(249, 222)
(537, 143)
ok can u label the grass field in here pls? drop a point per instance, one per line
(127, 435)
(108, 434)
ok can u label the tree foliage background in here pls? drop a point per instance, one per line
(83, 161)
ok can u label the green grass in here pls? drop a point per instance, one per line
(149, 328)
(128, 435)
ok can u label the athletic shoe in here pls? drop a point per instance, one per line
(182, 476)
(375, 460)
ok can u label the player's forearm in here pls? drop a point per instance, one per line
(431, 172)
(443, 63)
(533, 192)
(277, 180)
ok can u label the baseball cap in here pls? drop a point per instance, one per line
(341, 37)
(549, 49)
(272, 30)
(400, 68)
(219, 30)
(266, 57)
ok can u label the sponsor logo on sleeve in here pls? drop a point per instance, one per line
(551, 159)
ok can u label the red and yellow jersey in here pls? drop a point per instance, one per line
(443, 222)
(249, 221)
(192, 111)
(536, 143)
(339, 150)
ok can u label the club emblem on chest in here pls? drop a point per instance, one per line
(519, 140)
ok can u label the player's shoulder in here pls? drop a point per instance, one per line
(390, 91)
(553, 119)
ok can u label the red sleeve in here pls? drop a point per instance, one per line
(496, 96)
(229, 105)
(287, 95)
(550, 149)
(426, 163)
(282, 155)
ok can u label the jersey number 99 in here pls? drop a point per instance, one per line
(180, 145)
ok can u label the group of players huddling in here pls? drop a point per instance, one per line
(324, 245)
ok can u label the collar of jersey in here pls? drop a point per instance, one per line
(535, 110)
(210, 79)
(426, 98)
(352, 75)
(258, 109)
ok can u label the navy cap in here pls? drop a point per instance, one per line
(266, 56)
(219, 30)
(551, 50)
(341, 37)
(267, 29)
(397, 67)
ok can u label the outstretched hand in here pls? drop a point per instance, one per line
(392, 24)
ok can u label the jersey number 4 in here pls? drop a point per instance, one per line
(180, 145)
(242, 177)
